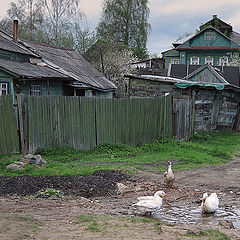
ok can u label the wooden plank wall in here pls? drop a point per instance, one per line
(60, 121)
(133, 121)
(82, 123)
(9, 142)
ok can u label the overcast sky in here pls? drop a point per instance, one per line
(169, 18)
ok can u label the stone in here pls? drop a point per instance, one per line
(29, 156)
(16, 166)
(38, 159)
(33, 159)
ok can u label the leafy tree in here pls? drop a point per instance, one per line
(235, 60)
(113, 60)
(30, 15)
(61, 15)
(126, 23)
(58, 22)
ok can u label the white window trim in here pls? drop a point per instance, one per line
(175, 60)
(35, 90)
(210, 37)
(209, 62)
(225, 62)
(3, 88)
(194, 62)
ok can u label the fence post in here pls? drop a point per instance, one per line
(20, 109)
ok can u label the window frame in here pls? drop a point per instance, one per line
(210, 36)
(221, 62)
(34, 91)
(172, 61)
(6, 89)
(209, 62)
(193, 62)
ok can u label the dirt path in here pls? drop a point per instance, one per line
(59, 218)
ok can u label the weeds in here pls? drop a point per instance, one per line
(203, 149)
(105, 224)
(213, 234)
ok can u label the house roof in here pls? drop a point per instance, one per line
(186, 44)
(70, 63)
(217, 23)
(214, 71)
(182, 40)
(229, 73)
(183, 83)
(6, 43)
(30, 71)
(52, 62)
(234, 36)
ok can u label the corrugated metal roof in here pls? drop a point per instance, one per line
(71, 63)
(29, 70)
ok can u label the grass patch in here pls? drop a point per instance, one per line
(211, 234)
(203, 149)
(106, 224)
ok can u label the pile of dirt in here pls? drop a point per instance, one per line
(101, 183)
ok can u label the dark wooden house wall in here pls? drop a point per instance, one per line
(195, 108)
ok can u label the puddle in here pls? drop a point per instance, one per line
(193, 215)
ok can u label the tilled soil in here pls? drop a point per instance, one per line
(101, 183)
(50, 219)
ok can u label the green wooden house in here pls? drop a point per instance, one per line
(42, 69)
(216, 44)
(209, 46)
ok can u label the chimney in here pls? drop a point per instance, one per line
(15, 30)
(214, 16)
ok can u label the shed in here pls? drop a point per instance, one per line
(198, 105)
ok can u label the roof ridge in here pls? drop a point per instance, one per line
(47, 45)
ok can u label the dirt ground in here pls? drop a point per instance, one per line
(112, 215)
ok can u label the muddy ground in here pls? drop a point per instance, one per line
(24, 217)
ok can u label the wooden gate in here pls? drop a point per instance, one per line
(183, 118)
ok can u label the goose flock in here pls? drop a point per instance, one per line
(150, 204)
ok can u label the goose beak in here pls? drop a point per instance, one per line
(204, 199)
(165, 196)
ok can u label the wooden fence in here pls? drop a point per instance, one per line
(9, 141)
(83, 123)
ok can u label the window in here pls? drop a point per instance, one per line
(210, 36)
(175, 61)
(35, 90)
(209, 60)
(3, 89)
(223, 61)
(194, 61)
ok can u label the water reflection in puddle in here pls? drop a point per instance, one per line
(193, 215)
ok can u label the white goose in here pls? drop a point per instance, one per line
(210, 204)
(149, 204)
(169, 175)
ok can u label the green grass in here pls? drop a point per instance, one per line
(105, 224)
(203, 149)
(211, 234)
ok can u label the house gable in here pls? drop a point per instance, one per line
(209, 38)
(206, 74)
(220, 25)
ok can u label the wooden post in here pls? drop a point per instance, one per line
(20, 104)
